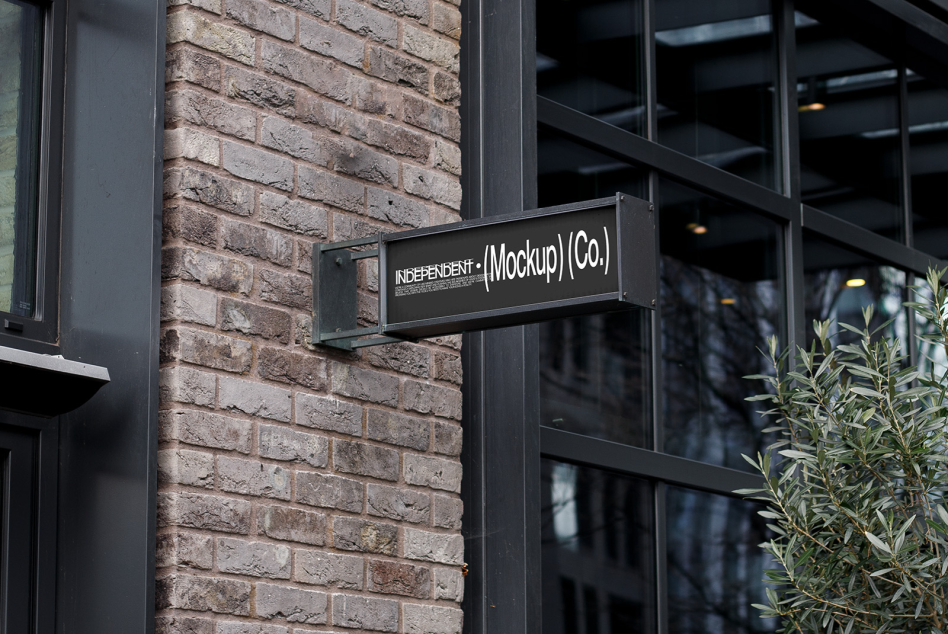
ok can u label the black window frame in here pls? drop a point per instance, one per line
(504, 440)
(40, 333)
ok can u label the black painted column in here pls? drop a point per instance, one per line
(501, 408)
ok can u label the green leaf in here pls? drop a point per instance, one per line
(878, 543)
(865, 391)
(792, 453)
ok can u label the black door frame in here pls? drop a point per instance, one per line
(29, 461)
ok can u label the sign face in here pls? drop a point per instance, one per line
(515, 269)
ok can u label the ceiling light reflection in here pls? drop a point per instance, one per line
(855, 282)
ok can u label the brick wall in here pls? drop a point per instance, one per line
(303, 490)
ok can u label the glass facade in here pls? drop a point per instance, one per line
(716, 76)
(715, 567)
(839, 284)
(590, 57)
(20, 42)
(848, 105)
(928, 161)
(598, 529)
(825, 200)
(722, 298)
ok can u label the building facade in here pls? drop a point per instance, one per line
(204, 468)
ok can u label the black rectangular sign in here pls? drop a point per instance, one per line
(519, 268)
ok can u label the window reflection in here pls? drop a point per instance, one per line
(838, 284)
(594, 370)
(715, 567)
(721, 299)
(716, 64)
(589, 57)
(597, 551)
(568, 172)
(932, 357)
(928, 163)
(20, 37)
(848, 122)
(594, 376)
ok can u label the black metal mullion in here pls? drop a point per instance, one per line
(651, 71)
(906, 192)
(904, 165)
(793, 234)
(656, 385)
(661, 560)
(627, 146)
(785, 96)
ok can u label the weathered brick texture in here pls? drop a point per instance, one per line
(303, 490)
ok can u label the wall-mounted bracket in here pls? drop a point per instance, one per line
(335, 299)
(492, 272)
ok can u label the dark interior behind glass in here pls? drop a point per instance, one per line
(928, 162)
(589, 58)
(716, 68)
(722, 297)
(848, 121)
(839, 283)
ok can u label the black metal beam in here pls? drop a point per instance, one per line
(603, 454)
(636, 149)
(867, 243)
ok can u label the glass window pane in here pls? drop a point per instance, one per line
(838, 284)
(594, 371)
(19, 105)
(594, 376)
(597, 553)
(716, 73)
(715, 568)
(849, 121)
(932, 357)
(721, 299)
(928, 163)
(568, 172)
(589, 57)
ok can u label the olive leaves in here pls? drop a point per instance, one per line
(856, 488)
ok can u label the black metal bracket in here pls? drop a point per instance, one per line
(335, 299)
